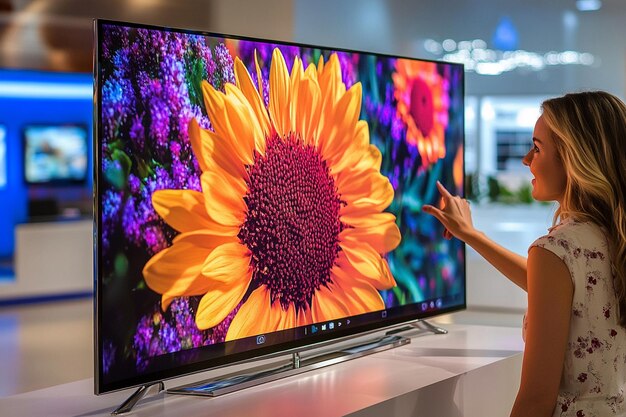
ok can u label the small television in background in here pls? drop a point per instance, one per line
(55, 154)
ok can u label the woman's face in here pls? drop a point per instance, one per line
(545, 165)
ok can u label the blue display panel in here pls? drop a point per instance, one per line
(37, 98)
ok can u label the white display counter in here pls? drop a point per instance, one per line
(473, 371)
(51, 259)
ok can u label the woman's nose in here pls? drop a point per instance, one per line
(527, 159)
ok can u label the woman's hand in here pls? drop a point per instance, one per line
(455, 215)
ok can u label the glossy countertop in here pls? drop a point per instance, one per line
(447, 374)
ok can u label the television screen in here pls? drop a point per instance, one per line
(55, 154)
(3, 157)
(257, 196)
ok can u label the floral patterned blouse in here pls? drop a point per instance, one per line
(594, 371)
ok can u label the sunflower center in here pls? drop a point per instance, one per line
(421, 107)
(292, 223)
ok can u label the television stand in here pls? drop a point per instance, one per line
(128, 405)
(297, 365)
(421, 325)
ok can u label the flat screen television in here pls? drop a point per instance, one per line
(55, 154)
(255, 197)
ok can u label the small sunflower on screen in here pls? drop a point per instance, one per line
(422, 106)
(289, 226)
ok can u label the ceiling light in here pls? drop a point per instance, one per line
(487, 61)
(588, 5)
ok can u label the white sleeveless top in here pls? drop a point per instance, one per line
(594, 372)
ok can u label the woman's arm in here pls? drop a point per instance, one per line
(456, 217)
(510, 264)
(550, 294)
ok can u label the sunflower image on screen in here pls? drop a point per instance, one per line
(423, 106)
(289, 227)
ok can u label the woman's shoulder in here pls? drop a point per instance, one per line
(578, 230)
(571, 236)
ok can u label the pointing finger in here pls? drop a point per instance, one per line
(443, 190)
(434, 211)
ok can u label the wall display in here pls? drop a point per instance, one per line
(55, 154)
(254, 197)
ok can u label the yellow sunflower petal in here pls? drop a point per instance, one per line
(373, 158)
(365, 197)
(209, 239)
(378, 229)
(227, 263)
(311, 72)
(287, 318)
(303, 317)
(367, 262)
(220, 300)
(369, 159)
(183, 209)
(251, 125)
(166, 300)
(244, 82)
(328, 304)
(457, 168)
(259, 77)
(256, 316)
(176, 271)
(366, 184)
(223, 198)
(329, 76)
(320, 65)
(280, 95)
(356, 149)
(403, 67)
(399, 81)
(296, 76)
(360, 295)
(203, 156)
(230, 122)
(211, 150)
(339, 125)
(308, 110)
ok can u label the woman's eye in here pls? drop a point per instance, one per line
(535, 148)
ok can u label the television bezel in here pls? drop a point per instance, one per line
(57, 182)
(263, 352)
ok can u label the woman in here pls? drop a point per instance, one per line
(575, 356)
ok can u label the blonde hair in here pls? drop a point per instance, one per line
(589, 130)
